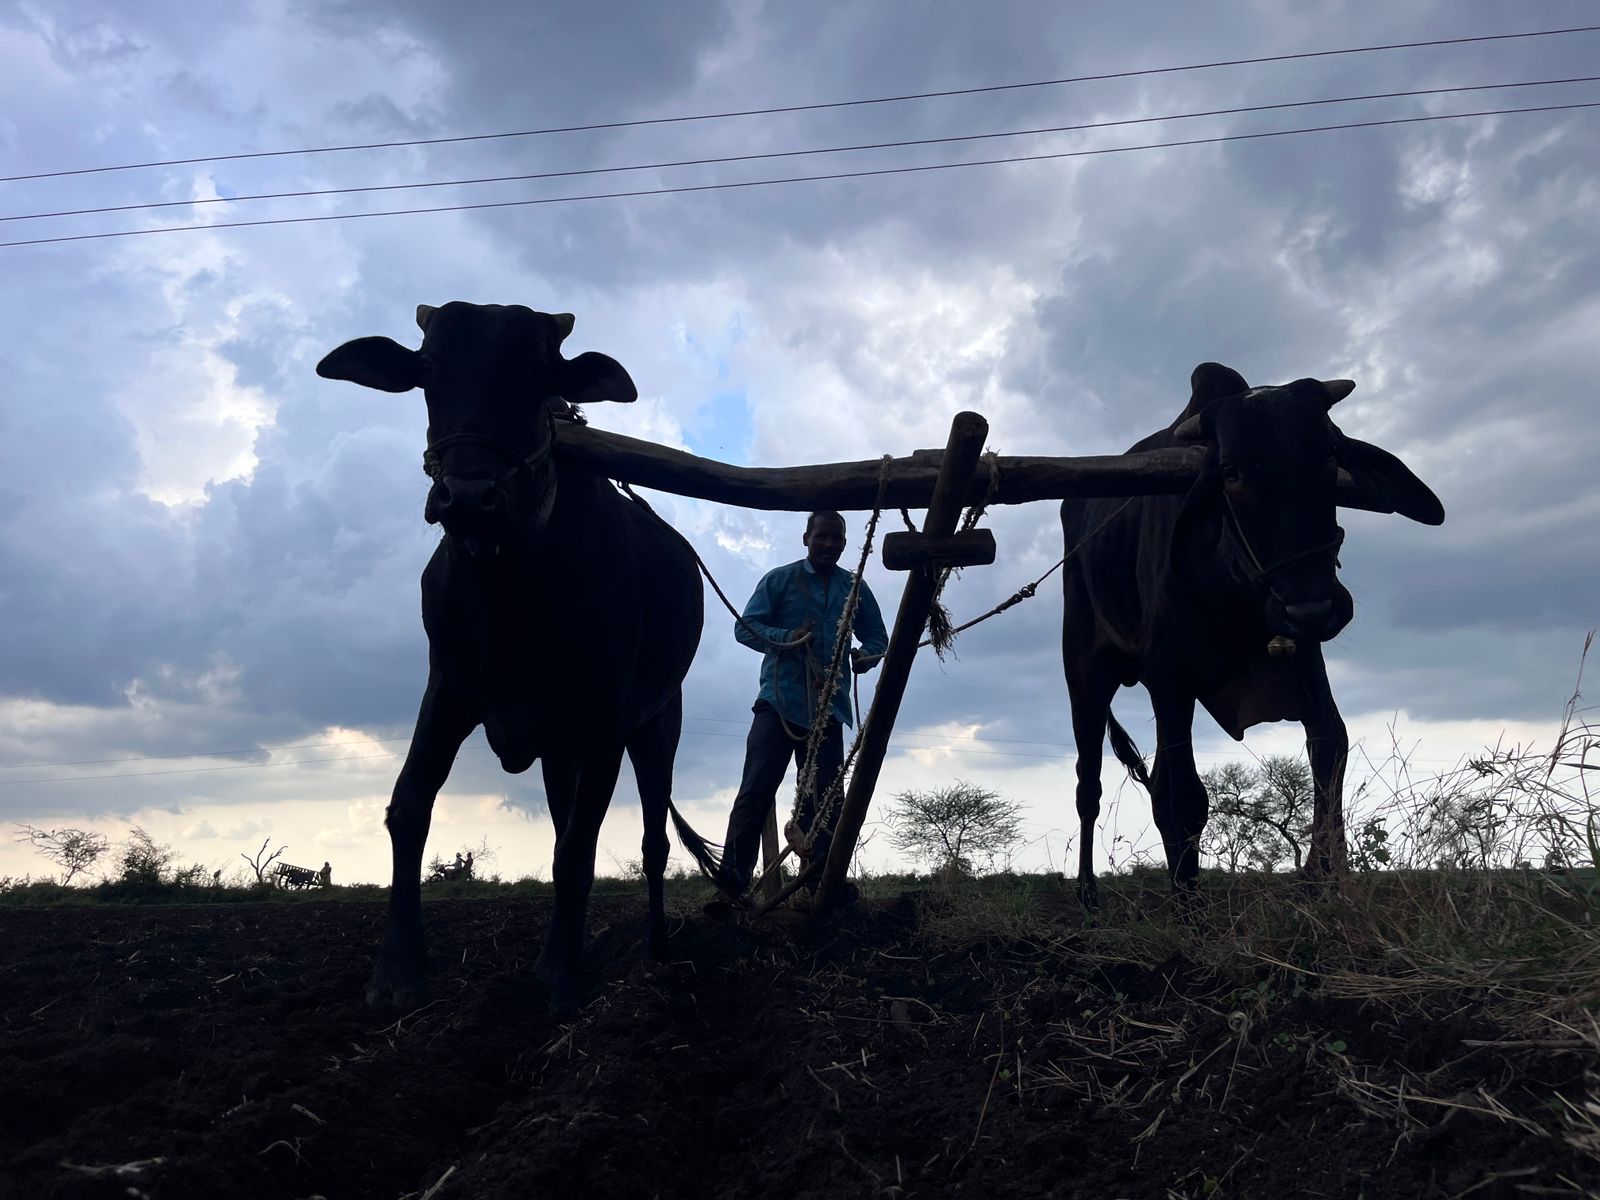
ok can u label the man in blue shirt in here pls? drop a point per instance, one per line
(800, 602)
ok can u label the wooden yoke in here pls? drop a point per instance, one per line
(954, 481)
(908, 551)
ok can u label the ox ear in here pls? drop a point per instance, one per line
(593, 377)
(1373, 479)
(374, 362)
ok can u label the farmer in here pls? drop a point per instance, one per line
(326, 874)
(792, 619)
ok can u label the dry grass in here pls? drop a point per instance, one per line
(1458, 983)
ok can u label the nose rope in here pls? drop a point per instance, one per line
(433, 465)
(1263, 574)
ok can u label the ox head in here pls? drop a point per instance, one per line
(1278, 469)
(491, 374)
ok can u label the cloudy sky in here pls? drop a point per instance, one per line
(208, 556)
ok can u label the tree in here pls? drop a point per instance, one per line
(1259, 814)
(142, 860)
(1231, 833)
(954, 826)
(258, 864)
(73, 850)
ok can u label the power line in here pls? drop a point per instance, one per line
(777, 154)
(796, 108)
(753, 183)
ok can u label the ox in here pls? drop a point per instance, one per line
(560, 616)
(1223, 595)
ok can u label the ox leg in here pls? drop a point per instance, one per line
(652, 748)
(561, 961)
(1091, 707)
(1180, 800)
(1327, 746)
(560, 786)
(442, 725)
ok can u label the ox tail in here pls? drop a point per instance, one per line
(1127, 753)
(702, 851)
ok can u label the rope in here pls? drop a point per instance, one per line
(805, 781)
(940, 633)
(1027, 590)
(711, 579)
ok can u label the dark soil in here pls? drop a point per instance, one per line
(224, 1050)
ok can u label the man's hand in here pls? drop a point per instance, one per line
(861, 662)
(803, 633)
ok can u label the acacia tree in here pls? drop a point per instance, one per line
(1259, 815)
(1231, 835)
(73, 850)
(956, 825)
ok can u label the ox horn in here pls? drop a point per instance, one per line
(424, 315)
(564, 323)
(1192, 430)
(1338, 389)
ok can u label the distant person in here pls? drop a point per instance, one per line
(800, 602)
(326, 875)
(458, 865)
(468, 864)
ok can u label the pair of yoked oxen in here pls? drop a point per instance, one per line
(562, 617)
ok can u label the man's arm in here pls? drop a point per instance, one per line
(869, 630)
(757, 629)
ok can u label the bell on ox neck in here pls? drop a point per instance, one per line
(1281, 647)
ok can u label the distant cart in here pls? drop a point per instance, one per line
(287, 875)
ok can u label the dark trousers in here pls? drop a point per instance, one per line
(767, 752)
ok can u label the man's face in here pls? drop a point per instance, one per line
(824, 541)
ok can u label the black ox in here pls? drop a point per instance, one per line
(560, 616)
(1224, 595)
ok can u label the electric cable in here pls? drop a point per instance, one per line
(814, 107)
(754, 183)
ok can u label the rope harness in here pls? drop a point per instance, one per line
(1259, 576)
(433, 465)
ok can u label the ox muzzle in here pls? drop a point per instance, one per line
(485, 511)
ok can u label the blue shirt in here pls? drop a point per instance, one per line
(783, 600)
